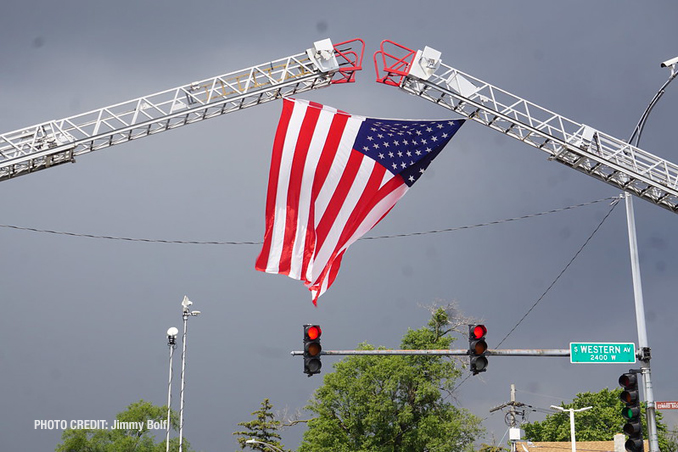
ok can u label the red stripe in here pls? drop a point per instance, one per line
(296, 175)
(338, 197)
(330, 273)
(370, 197)
(288, 107)
(327, 155)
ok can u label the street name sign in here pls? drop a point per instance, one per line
(666, 405)
(602, 352)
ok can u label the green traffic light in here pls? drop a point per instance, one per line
(630, 413)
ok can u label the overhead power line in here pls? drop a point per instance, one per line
(562, 272)
(232, 242)
(615, 201)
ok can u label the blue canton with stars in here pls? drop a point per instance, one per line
(404, 147)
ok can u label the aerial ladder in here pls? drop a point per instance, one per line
(579, 146)
(51, 143)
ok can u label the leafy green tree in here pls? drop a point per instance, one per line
(393, 403)
(600, 423)
(264, 427)
(136, 438)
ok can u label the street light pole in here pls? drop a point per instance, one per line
(186, 313)
(572, 411)
(643, 343)
(172, 343)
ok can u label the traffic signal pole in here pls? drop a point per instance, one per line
(643, 343)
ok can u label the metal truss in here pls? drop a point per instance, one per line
(60, 141)
(578, 146)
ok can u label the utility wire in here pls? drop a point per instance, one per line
(613, 205)
(478, 225)
(230, 242)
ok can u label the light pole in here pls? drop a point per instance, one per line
(186, 313)
(270, 446)
(172, 343)
(643, 343)
(572, 411)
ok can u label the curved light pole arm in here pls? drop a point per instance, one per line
(637, 132)
(268, 446)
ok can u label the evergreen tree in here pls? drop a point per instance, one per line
(264, 427)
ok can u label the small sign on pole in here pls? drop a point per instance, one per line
(666, 405)
(602, 352)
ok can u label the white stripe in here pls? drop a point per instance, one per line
(376, 213)
(280, 216)
(336, 171)
(338, 165)
(353, 196)
(305, 203)
(367, 224)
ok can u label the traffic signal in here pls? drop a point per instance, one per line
(312, 349)
(477, 348)
(631, 412)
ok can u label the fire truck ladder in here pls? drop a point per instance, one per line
(54, 142)
(578, 146)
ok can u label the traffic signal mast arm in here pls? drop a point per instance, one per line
(489, 352)
(54, 142)
(578, 146)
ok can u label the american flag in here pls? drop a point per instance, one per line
(333, 177)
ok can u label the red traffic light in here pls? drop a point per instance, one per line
(477, 347)
(312, 349)
(478, 332)
(313, 332)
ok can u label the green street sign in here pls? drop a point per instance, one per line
(602, 352)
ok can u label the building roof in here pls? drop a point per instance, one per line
(582, 446)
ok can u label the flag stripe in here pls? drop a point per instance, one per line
(339, 211)
(371, 214)
(294, 193)
(305, 238)
(325, 162)
(286, 158)
(263, 262)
